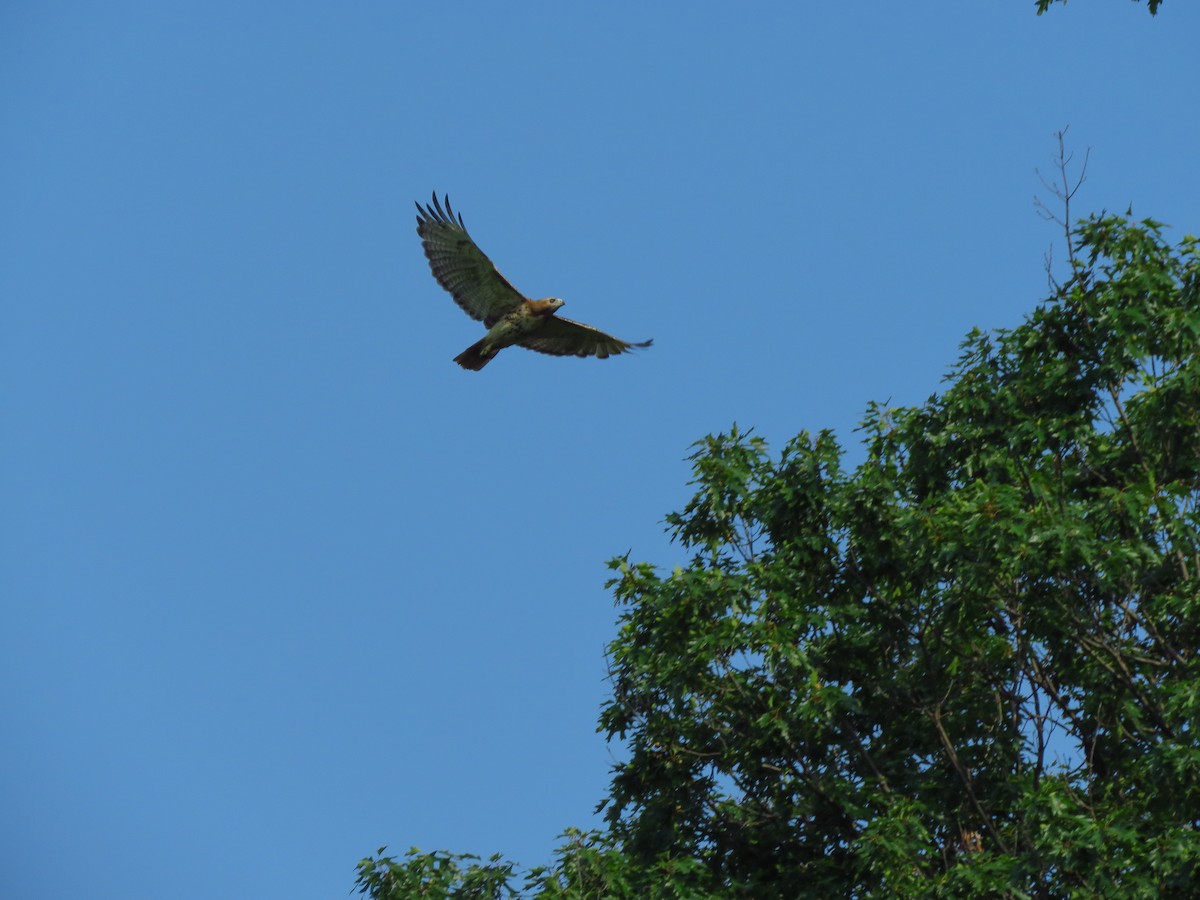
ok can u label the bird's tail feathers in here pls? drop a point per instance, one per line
(476, 356)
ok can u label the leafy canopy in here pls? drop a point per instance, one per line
(1043, 5)
(966, 666)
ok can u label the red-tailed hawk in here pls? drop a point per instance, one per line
(511, 318)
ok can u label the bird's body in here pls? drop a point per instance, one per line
(510, 329)
(483, 293)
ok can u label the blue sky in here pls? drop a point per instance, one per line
(281, 583)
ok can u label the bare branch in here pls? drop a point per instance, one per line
(1063, 191)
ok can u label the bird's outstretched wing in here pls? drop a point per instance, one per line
(565, 337)
(461, 267)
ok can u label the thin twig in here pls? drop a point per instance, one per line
(1063, 193)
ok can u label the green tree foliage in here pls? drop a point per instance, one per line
(1043, 5)
(436, 874)
(965, 667)
(968, 664)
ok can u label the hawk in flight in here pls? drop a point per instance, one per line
(511, 318)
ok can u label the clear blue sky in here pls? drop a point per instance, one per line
(280, 582)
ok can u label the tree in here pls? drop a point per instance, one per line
(436, 874)
(1043, 5)
(966, 666)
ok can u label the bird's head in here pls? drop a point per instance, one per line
(555, 302)
(547, 306)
